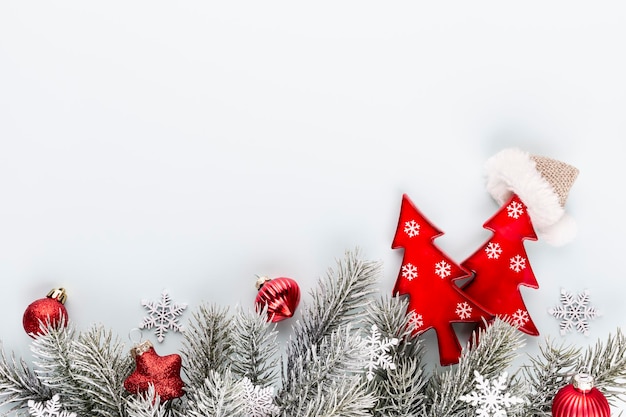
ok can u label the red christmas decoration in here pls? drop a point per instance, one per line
(501, 266)
(280, 295)
(580, 399)
(161, 371)
(428, 277)
(44, 312)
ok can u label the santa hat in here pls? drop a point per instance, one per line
(541, 183)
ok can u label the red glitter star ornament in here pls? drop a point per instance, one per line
(161, 371)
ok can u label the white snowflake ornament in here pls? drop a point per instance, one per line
(574, 312)
(489, 397)
(163, 316)
(377, 351)
(259, 401)
(51, 408)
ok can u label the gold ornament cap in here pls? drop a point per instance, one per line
(582, 382)
(58, 294)
(261, 281)
(141, 348)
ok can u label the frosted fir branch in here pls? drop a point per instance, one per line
(147, 404)
(546, 375)
(490, 357)
(337, 357)
(346, 397)
(218, 396)
(18, 383)
(339, 299)
(100, 365)
(254, 347)
(400, 391)
(606, 362)
(207, 343)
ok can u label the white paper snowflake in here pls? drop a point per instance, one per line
(520, 318)
(409, 271)
(259, 401)
(442, 269)
(163, 315)
(51, 408)
(489, 398)
(574, 312)
(377, 350)
(493, 250)
(415, 321)
(463, 310)
(517, 263)
(515, 210)
(411, 228)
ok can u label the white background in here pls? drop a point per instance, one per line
(151, 145)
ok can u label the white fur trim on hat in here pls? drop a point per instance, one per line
(512, 171)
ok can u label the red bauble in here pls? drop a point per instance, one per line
(161, 371)
(280, 295)
(580, 399)
(44, 312)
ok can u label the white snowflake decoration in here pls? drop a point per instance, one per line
(377, 350)
(493, 250)
(259, 401)
(163, 315)
(51, 408)
(411, 228)
(489, 397)
(574, 312)
(515, 210)
(463, 310)
(520, 318)
(442, 269)
(415, 321)
(409, 271)
(517, 263)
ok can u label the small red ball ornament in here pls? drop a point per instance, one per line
(280, 295)
(580, 399)
(44, 312)
(161, 371)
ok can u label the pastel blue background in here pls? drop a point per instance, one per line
(151, 145)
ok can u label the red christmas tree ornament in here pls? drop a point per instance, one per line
(161, 371)
(46, 311)
(580, 399)
(532, 191)
(428, 277)
(280, 295)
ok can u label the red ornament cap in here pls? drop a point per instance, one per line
(580, 399)
(46, 311)
(161, 371)
(280, 295)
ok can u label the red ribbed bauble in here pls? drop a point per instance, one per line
(580, 399)
(49, 310)
(161, 371)
(280, 295)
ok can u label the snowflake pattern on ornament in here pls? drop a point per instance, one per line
(411, 228)
(416, 321)
(520, 318)
(163, 316)
(463, 310)
(259, 401)
(493, 250)
(409, 271)
(377, 350)
(574, 312)
(489, 398)
(514, 210)
(442, 269)
(51, 408)
(517, 263)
